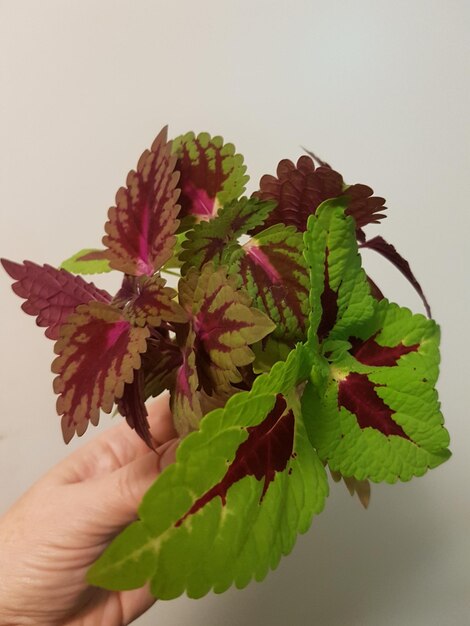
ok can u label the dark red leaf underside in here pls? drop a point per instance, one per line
(132, 407)
(159, 364)
(98, 352)
(390, 253)
(51, 294)
(266, 451)
(201, 179)
(357, 394)
(369, 352)
(140, 228)
(299, 190)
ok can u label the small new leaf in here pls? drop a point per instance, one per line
(214, 240)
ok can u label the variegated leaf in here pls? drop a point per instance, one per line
(141, 227)
(272, 268)
(98, 351)
(212, 174)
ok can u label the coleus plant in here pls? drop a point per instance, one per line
(282, 357)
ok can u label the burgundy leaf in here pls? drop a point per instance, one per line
(266, 451)
(132, 407)
(369, 352)
(51, 294)
(390, 253)
(141, 227)
(357, 394)
(159, 364)
(98, 352)
(300, 189)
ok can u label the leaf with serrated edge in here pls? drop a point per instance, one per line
(98, 351)
(212, 174)
(300, 189)
(153, 303)
(88, 261)
(140, 231)
(209, 522)
(375, 415)
(272, 269)
(340, 298)
(213, 240)
(51, 295)
(224, 324)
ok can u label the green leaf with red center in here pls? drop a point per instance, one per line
(141, 227)
(300, 189)
(212, 174)
(272, 269)
(88, 261)
(224, 325)
(213, 521)
(51, 294)
(371, 409)
(216, 239)
(98, 350)
(340, 298)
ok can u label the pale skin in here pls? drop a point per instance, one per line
(60, 526)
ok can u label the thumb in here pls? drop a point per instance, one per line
(113, 499)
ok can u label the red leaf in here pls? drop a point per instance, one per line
(300, 189)
(390, 253)
(266, 451)
(132, 407)
(140, 228)
(98, 352)
(51, 294)
(357, 394)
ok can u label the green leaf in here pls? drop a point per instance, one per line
(210, 521)
(87, 261)
(371, 409)
(214, 240)
(340, 299)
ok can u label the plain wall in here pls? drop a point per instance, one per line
(380, 90)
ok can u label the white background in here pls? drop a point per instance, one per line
(380, 90)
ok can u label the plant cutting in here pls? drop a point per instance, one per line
(284, 361)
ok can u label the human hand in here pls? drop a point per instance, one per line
(51, 536)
